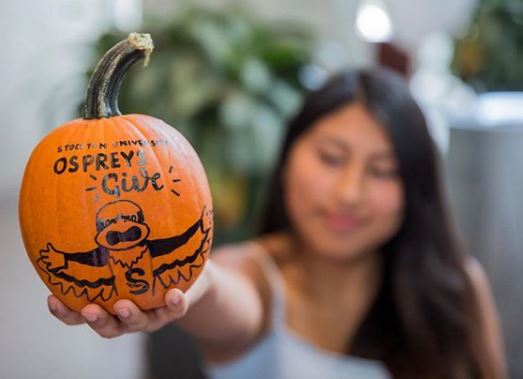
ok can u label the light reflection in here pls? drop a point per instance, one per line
(373, 23)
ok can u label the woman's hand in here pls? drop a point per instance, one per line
(224, 309)
(129, 317)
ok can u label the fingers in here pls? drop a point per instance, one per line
(102, 322)
(95, 316)
(176, 307)
(177, 303)
(62, 312)
(133, 319)
(129, 317)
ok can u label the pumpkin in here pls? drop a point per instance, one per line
(115, 206)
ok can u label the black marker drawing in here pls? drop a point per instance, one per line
(115, 184)
(124, 258)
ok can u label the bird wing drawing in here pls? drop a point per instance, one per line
(177, 259)
(65, 272)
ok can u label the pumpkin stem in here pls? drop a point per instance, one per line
(101, 99)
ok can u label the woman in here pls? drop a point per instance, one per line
(357, 273)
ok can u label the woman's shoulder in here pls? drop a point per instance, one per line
(260, 260)
(242, 258)
(249, 253)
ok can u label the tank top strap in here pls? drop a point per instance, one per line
(275, 280)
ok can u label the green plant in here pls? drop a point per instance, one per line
(228, 82)
(489, 57)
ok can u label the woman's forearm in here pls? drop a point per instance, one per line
(225, 310)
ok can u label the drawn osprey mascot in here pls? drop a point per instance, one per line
(124, 260)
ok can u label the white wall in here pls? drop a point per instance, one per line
(43, 50)
(44, 54)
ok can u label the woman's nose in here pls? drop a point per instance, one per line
(350, 186)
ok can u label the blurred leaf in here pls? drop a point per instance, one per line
(489, 56)
(284, 97)
(236, 110)
(255, 75)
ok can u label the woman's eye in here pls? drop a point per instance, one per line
(330, 158)
(384, 173)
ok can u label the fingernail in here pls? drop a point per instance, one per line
(52, 307)
(123, 312)
(175, 299)
(90, 317)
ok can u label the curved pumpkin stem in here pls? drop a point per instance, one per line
(101, 99)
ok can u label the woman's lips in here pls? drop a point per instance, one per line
(342, 222)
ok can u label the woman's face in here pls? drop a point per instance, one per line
(343, 192)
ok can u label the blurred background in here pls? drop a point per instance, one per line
(228, 75)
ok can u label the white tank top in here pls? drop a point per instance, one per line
(282, 354)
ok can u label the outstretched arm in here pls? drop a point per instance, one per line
(233, 311)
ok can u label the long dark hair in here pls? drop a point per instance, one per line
(422, 323)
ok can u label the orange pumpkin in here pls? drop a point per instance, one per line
(115, 206)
